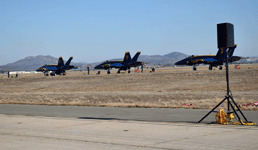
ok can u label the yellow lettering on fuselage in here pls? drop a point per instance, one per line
(221, 50)
(195, 61)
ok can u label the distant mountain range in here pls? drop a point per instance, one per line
(168, 59)
(29, 63)
(32, 63)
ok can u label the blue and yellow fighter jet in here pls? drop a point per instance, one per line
(58, 69)
(212, 60)
(125, 64)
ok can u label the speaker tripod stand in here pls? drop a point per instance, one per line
(230, 100)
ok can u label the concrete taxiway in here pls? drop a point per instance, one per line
(62, 127)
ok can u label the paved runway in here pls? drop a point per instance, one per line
(112, 113)
(33, 132)
(26, 127)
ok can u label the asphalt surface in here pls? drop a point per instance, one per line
(33, 132)
(24, 127)
(113, 113)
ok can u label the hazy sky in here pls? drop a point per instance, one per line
(92, 30)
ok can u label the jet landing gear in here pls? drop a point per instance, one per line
(46, 73)
(108, 72)
(129, 71)
(210, 67)
(194, 68)
(220, 67)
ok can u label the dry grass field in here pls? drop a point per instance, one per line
(167, 87)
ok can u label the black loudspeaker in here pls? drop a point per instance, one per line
(225, 35)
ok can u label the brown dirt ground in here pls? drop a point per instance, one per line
(167, 87)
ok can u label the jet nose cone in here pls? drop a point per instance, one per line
(178, 63)
(239, 58)
(97, 67)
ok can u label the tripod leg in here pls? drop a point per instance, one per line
(213, 109)
(235, 112)
(228, 105)
(238, 108)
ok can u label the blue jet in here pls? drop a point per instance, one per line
(58, 69)
(212, 60)
(125, 64)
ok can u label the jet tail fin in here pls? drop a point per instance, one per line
(136, 57)
(68, 63)
(60, 62)
(127, 57)
(222, 53)
(231, 51)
